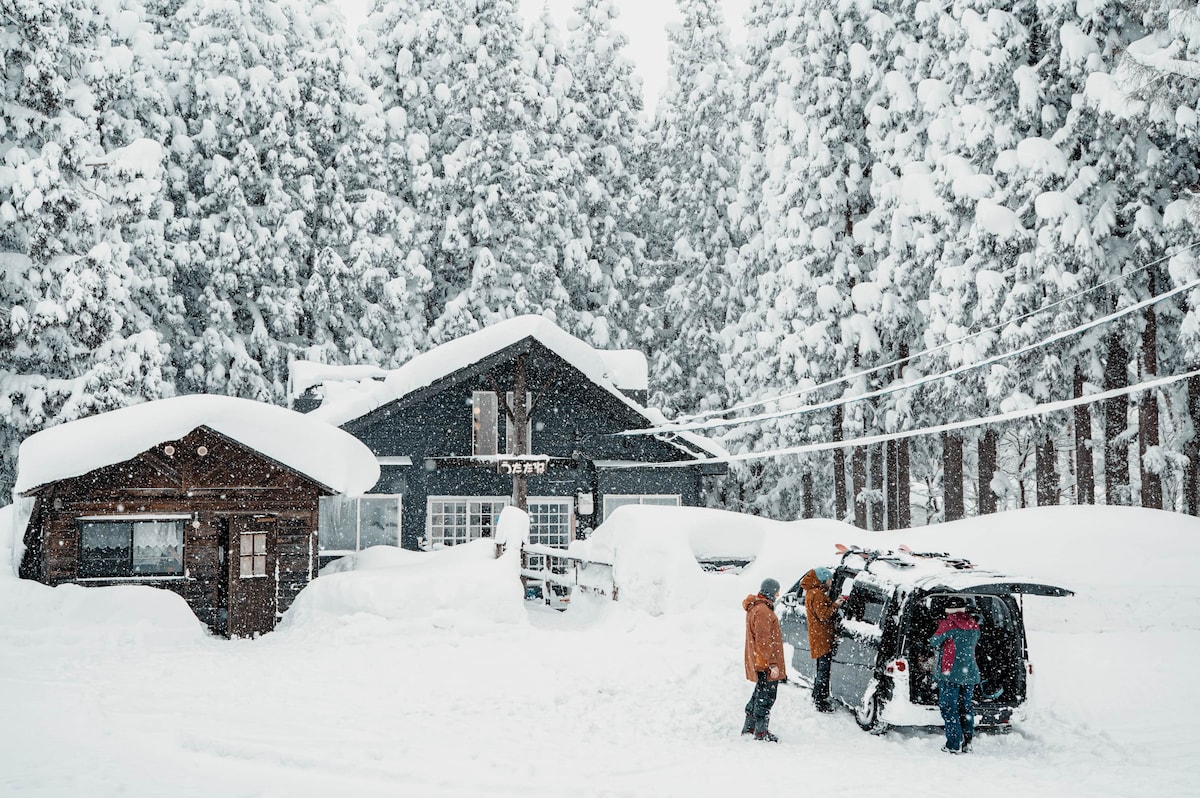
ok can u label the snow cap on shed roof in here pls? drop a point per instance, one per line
(309, 446)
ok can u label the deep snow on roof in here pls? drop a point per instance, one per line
(318, 450)
(612, 370)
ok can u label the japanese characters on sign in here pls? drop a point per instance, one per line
(521, 466)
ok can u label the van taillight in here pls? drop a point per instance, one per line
(896, 665)
(1029, 667)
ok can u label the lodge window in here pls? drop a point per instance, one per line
(353, 523)
(115, 548)
(485, 419)
(484, 415)
(551, 523)
(452, 520)
(614, 500)
(253, 554)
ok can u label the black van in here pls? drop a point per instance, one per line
(882, 662)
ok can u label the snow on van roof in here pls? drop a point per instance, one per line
(614, 370)
(318, 450)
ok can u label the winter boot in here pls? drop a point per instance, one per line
(748, 726)
(761, 733)
(966, 744)
(824, 706)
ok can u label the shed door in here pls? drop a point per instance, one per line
(252, 575)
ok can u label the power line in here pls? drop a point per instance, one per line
(867, 440)
(687, 419)
(844, 400)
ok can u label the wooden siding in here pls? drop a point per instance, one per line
(229, 481)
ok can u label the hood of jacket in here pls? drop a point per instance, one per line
(810, 581)
(957, 620)
(756, 598)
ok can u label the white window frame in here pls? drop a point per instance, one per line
(538, 561)
(436, 539)
(358, 522)
(640, 499)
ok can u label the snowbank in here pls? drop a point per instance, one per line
(654, 551)
(464, 587)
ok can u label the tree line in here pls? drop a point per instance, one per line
(195, 193)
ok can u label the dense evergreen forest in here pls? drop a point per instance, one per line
(873, 218)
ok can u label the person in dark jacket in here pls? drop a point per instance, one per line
(764, 659)
(956, 672)
(822, 613)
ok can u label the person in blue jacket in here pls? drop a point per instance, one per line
(956, 672)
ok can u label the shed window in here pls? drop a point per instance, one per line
(614, 500)
(253, 554)
(130, 548)
(352, 523)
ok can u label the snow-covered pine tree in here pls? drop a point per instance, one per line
(607, 100)
(245, 189)
(79, 221)
(693, 244)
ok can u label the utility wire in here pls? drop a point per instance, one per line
(1035, 410)
(844, 400)
(687, 419)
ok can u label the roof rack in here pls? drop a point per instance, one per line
(903, 558)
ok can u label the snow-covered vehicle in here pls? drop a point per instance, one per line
(882, 664)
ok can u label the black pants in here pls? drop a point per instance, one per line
(762, 700)
(820, 691)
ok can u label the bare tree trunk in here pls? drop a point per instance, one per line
(1085, 473)
(876, 512)
(892, 490)
(987, 471)
(1152, 495)
(858, 473)
(1116, 414)
(952, 476)
(806, 485)
(1192, 480)
(520, 424)
(903, 483)
(1047, 479)
(839, 468)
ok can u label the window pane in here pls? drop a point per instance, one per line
(260, 542)
(260, 565)
(484, 418)
(379, 521)
(247, 565)
(247, 543)
(104, 548)
(339, 516)
(158, 547)
(662, 501)
(510, 431)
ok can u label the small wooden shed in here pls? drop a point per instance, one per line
(212, 497)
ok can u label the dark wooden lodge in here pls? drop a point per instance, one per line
(231, 530)
(444, 429)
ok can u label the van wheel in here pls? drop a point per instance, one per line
(867, 715)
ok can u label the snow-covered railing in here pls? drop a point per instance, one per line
(560, 568)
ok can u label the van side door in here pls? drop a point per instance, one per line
(793, 623)
(860, 635)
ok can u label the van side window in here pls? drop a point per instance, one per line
(866, 603)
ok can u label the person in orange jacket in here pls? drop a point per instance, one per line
(821, 611)
(764, 659)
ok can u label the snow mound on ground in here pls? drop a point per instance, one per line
(463, 588)
(1086, 549)
(104, 615)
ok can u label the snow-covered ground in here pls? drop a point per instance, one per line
(428, 675)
